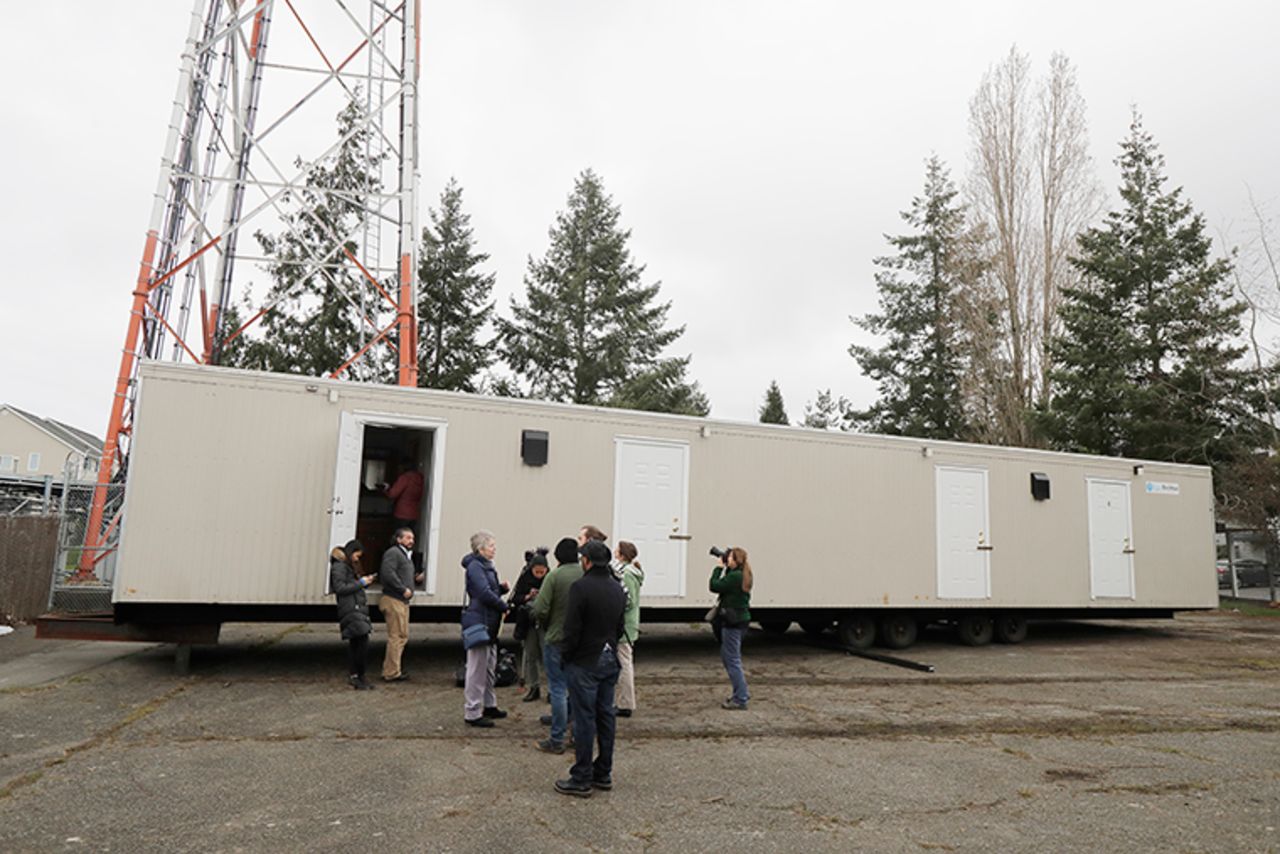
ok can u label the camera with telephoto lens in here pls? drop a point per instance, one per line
(721, 553)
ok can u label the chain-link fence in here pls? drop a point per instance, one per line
(86, 566)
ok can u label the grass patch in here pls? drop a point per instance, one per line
(1248, 608)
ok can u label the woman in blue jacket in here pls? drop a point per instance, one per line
(481, 618)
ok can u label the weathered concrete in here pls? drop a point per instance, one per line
(1147, 736)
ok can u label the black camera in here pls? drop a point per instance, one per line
(716, 551)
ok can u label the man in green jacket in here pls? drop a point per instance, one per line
(549, 608)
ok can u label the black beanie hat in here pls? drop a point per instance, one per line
(567, 551)
(352, 547)
(538, 560)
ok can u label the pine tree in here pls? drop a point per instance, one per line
(826, 412)
(1147, 363)
(453, 300)
(323, 308)
(772, 411)
(589, 331)
(919, 367)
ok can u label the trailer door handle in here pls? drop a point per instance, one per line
(1131, 551)
(679, 536)
(986, 548)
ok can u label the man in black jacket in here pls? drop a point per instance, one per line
(592, 627)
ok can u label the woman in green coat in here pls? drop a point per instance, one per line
(631, 576)
(732, 580)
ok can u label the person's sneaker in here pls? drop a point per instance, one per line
(734, 705)
(571, 787)
(354, 682)
(403, 677)
(602, 783)
(532, 694)
(364, 685)
(494, 712)
(624, 713)
(549, 746)
(480, 722)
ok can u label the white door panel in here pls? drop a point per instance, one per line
(650, 504)
(1110, 540)
(964, 538)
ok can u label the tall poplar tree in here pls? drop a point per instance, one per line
(919, 367)
(1148, 362)
(772, 411)
(453, 300)
(589, 330)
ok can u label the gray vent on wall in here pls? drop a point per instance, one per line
(533, 447)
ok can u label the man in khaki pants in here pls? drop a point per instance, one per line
(396, 575)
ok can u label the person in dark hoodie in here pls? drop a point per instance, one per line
(348, 585)
(526, 628)
(485, 606)
(592, 625)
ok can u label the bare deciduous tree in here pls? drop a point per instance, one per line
(1032, 188)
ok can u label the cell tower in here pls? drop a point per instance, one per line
(259, 87)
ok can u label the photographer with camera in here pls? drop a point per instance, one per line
(732, 580)
(527, 630)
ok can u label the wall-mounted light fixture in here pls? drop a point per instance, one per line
(926, 452)
(705, 432)
(1039, 486)
(533, 447)
(1137, 470)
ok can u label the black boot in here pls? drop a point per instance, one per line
(532, 694)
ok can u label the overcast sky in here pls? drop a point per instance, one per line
(758, 150)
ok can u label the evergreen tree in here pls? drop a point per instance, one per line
(1147, 363)
(453, 300)
(589, 331)
(772, 411)
(323, 308)
(826, 412)
(919, 367)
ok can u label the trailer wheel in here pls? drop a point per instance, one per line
(975, 629)
(898, 631)
(775, 627)
(814, 628)
(1011, 628)
(857, 631)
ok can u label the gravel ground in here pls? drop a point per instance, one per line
(1149, 735)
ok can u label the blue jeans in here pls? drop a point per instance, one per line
(731, 655)
(594, 716)
(557, 689)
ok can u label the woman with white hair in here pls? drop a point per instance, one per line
(481, 619)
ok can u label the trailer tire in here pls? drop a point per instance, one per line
(1011, 628)
(857, 631)
(975, 629)
(775, 627)
(815, 628)
(898, 631)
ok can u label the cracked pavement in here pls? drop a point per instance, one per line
(1155, 735)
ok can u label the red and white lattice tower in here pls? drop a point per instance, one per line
(259, 87)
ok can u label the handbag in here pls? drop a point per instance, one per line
(473, 636)
(733, 617)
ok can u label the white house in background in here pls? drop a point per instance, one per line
(33, 447)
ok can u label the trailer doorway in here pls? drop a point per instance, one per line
(651, 509)
(374, 451)
(964, 533)
(1110, 539)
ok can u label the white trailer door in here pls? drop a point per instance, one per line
(964, 538)
(1110, 539)
(344, 507)
(650, 508)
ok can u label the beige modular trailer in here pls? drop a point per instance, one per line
(240, 483)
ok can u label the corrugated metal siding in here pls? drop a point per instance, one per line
(233, 474)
